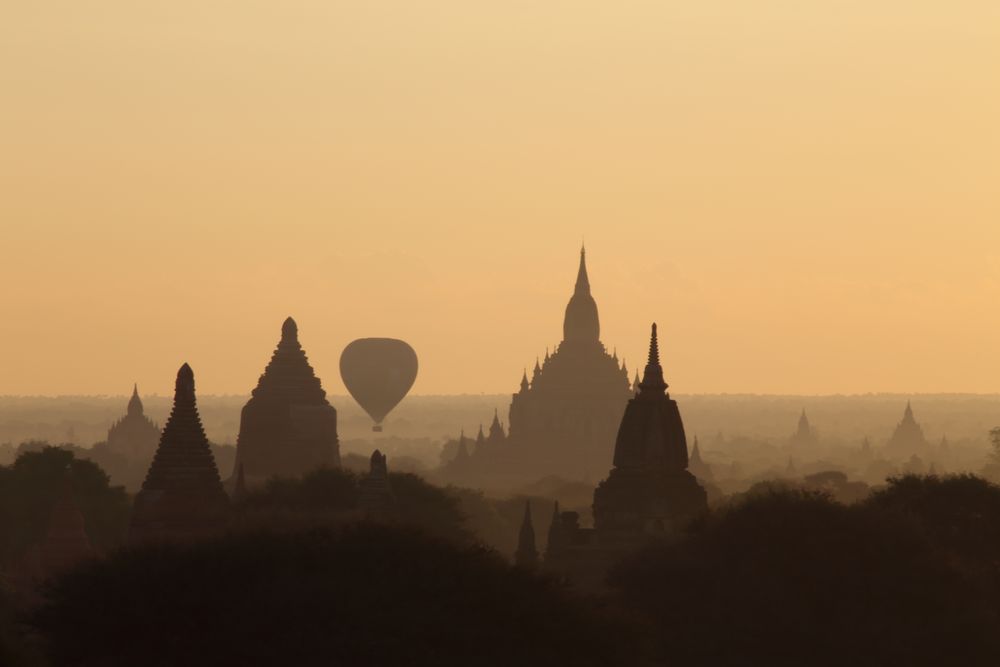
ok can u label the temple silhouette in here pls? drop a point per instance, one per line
(804, 434)
(287, 428)
(649, 491)
(563, 420)
(135, 435)
(182, 496)
(907, 439)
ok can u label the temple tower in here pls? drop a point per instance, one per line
(182, 496)
(908, 438)
(701, 470)
(287, 428)
(581, 325)
(526, 554)
(134, 436)
(649, 490)
(804, 432)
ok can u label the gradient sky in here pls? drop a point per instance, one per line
(804, 195)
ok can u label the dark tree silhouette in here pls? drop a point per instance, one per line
(367, 594)
(959, 513)
(792, 578)
(30, 487)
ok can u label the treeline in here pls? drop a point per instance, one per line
(779, 576)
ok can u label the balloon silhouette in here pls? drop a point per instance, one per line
(378, 372)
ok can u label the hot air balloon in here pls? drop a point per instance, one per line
(378, 372)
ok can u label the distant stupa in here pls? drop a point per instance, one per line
(804, 433)
(908, 439)
(182, 496)
(697, 466)
(287, 428)
(526, 554)
(134, 436)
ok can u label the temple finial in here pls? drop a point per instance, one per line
(185, 381)
(289, 330)
(652, 378)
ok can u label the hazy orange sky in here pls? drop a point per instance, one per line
(804, 195)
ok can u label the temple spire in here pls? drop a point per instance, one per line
(652, 378)
(289, 331)
(135, 403)
(527, 554)
(582, 280)
(524, 380)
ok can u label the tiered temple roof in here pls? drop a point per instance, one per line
(182, 495)
(287, 428)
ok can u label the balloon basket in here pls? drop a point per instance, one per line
(377, 428)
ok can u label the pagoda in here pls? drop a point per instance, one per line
(649, 489)
(701, 470)
(648, 493)
(287, 428)
(182, 496)
(804, 432)
(907, 439)
(135, 435)
(526, 554)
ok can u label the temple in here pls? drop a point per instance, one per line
(908, 439)
(562, 421)
(134, 436)
(804, 433)
(701, 470)
(527, 553)
(649, 491)
(287, 428)
(182, 496)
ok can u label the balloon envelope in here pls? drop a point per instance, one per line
(378, 372)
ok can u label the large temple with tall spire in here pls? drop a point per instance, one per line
(182, 496)
(287, 428)
(562, 421)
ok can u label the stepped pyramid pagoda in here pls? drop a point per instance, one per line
(563, 420)
(908, 439)
(287, 428)
(134, 436)
(182, 496)
(648, 492)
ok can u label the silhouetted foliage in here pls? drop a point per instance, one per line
(30, 487)
(792, 578)
(368, 594)
(959, 513)
(328, 491)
